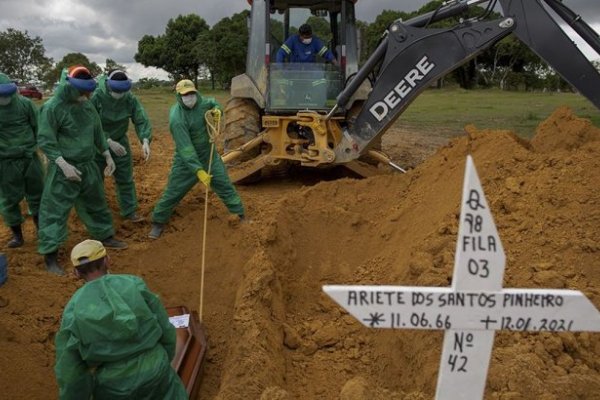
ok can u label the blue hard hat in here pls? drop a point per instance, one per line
(119, 86)
(83, 85)
(80, 78)
(7, 89)
(118, 81)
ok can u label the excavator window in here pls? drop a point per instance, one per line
(294, 86)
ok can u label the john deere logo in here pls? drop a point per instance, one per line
(402, 89)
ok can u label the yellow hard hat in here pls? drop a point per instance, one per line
(87, 251)
(185, 86)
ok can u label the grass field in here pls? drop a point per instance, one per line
(520, 112)
(447, 110)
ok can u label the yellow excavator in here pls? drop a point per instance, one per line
(324, 114)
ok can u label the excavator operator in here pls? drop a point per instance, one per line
(304, 48)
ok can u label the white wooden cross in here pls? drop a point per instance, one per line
(474, 307)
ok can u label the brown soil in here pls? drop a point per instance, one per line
(274, 335)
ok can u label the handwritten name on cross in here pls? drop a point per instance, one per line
(474, 307)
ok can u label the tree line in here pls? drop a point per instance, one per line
(24, 59)
(192, 49)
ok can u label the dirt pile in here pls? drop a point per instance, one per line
(273, 334)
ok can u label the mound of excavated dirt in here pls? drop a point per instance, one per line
(274, 335)
(564, 131)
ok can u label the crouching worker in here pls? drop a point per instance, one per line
(115, 340)
(191, 160)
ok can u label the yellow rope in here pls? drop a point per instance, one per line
(214, 130)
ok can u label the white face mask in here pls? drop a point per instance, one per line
(307, 41)
(4, 101)
(116, 95)
(189, 100)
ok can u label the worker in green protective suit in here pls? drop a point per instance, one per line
(116, 105)
(191, 159)
(115, 339)
(70, 134)
(21, 173)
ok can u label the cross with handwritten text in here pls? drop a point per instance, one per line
(474, 307)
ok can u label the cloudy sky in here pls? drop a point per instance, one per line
(104, 29)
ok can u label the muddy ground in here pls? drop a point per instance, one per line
(273, 334)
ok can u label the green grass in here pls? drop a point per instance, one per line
(443, 111)
(450, 110)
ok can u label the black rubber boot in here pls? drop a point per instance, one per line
(112, 243)
(52, 265)
(17, 237)
(156, 231)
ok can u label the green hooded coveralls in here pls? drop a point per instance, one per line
(21, 173)
(73, 130)
(192, 152)
(115, 115)
(116, 342)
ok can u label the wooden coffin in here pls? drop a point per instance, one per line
(190, 352)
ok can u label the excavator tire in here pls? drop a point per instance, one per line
(242, 124)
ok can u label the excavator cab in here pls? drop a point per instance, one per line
(284, 87)
(294, 86)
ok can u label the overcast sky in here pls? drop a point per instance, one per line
(104, 29)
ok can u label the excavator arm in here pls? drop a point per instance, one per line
(412, 57)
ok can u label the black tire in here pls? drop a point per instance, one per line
(242, 124)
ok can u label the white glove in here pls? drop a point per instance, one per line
(146, 149)
(110, 164)
(71, 173)
(117, 148)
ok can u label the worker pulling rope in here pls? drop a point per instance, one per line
(213, 121)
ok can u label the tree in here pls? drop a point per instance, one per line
(23, 57)
(375, 31)
(147, 83)
(363, 51)
(206, 51)
(174, 51)
(223, 49)
(320, 28)
(69, 60)
(111, 65)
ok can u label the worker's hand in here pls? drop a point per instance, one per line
(146, 149)
(216, 114)
(204, 177)
(110, 164)
(71, 173)
(116, 148)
